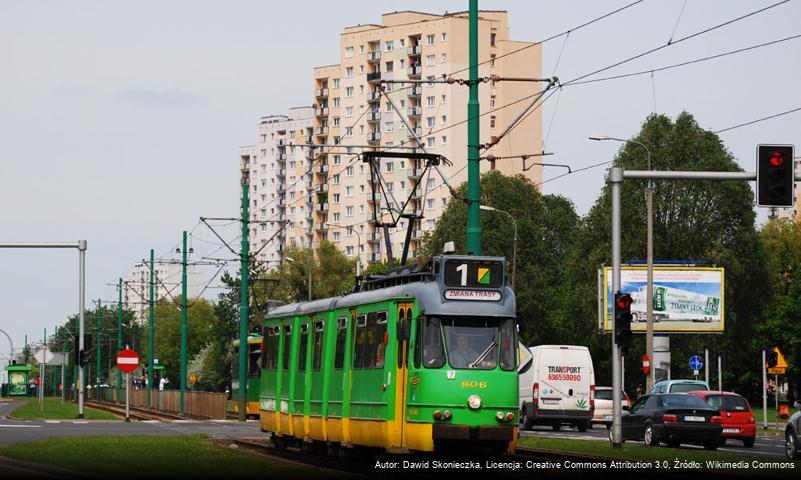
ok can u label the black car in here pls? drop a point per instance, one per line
(792, 434)
(672, 418)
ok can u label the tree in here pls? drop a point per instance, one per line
(332, 273)
(546, 226)
(711, 222)
(199, 319)
(782, 325)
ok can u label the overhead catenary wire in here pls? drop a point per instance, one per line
(757, 120)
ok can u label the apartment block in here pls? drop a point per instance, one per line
(281, 190)
(328, 193)
(167, 284)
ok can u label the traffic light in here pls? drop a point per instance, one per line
(623, 303)
(775, 176)
(82, 357)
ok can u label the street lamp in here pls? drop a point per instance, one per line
(514, 242)
(649, 328)
(358, 247)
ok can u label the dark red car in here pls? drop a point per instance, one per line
(738, 419)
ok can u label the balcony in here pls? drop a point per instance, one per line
(321, 93)
(374, 56)
(374, 116)
(416, 91)
(374, 137)
(281, 157)
(281, 203)
(415, 71)
(374, 237)
(374, 257)
(417, 234)
(282, 217)
(414, 111)
(321, 131)
(374, 97)
(281, 188)
(281, 172)
(321, 207)
(321, 112)
(413, 173)
(374, 77)
(374, 197)
(320, 169)
(281, 142)
(309, 139)
(321, 226)
(416, 130)
(414, 50)
(321, 188)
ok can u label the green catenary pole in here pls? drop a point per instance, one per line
(119, 335)
(244, 313)
(150, 347)
(99, 363)
(183, 325)
(473, 170)
(64, 360)
(25, 352)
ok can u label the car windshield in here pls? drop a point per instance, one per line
(478, 343)
(685, 387)
(730, 403)
(607, 395)
(682, 401)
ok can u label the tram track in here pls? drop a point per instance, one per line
(135, 413)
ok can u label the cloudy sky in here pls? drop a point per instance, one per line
(120, 121)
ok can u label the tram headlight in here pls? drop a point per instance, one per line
(499, 416)
(474, 402)
(447, 415)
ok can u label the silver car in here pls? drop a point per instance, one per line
(603, 405)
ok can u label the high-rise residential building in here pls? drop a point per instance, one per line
(279, 166)
(167, 284)
(357, 108)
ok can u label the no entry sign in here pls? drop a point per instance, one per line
(127, 360)
(646, 364)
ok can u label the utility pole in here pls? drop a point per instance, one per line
(119, 335)
(244, 312)
(99, 364)
(64, 361)
(150, 346)
(473, 130)
(183, 325)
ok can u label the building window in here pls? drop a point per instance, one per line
(430, 79)
(361, 69)
(388, 107)
(389, 127)
(348, 111)
(444, 36)
(337, 159)
(336, 236)
(430, 121)
(430, 204)
(348, 211)
(444, 57)
(348, 191)
(388, 46)
(430, 142)
(429, 101)
(361, 49)
(444, 119)
(492, 121)
(349, 72)
(390, 186)
(430, 39)
(443, 140)
(336, 83)
(349, 251)
(492, 101)
(390, 66)
(348, 52)
(335, 179)
(361, 89)
(337, 217)
(348, 91)
(444, 99)
(336, 121)
(349, 172)
(492, 39)
(335, 198)
(349, 132)
(429, 60)
(492, 60)
(388, 166)
(430, 183)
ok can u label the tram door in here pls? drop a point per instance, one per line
(401, 370)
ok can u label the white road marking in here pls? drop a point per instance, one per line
(52, 421)
(79, 422)
(20, 426)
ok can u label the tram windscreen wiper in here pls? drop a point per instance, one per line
(483, 354)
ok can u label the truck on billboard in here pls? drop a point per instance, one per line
(685, 299)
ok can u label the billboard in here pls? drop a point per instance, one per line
(685, 299)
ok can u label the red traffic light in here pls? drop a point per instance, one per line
(777, 159)
(623, 302)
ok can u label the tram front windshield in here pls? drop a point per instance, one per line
(469, 342)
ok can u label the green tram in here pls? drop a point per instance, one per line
(421, 359)
(255, 344)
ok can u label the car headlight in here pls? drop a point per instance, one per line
(474, 402)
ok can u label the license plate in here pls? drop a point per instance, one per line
(550, 401)
(731, 430)
(607, 417)
(690, 418)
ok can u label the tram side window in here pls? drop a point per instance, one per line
(508, 343)
(339, 354)
(287, 340)
(380, 332)
(268, 356)
(317, 345)
(254, 360)
(361, 351)
(304, 342)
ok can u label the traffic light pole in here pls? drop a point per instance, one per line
(616, 177)
(244, 313)
(150, 333)
(473, 131)
(183, 325)
(119, 336)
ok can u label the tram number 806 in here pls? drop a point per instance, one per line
(473, 384)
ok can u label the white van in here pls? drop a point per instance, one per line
(558, 388)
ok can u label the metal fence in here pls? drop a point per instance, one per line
(210, 405)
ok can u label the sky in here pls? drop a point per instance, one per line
(120, 122)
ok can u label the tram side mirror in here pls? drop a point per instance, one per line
(797, 404)
(403, 331)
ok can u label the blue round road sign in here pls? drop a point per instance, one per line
(696, 362)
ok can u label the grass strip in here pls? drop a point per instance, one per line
(53, 409)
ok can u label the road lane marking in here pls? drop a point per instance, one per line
(79, 422)
(20, 426)
(52, 421)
